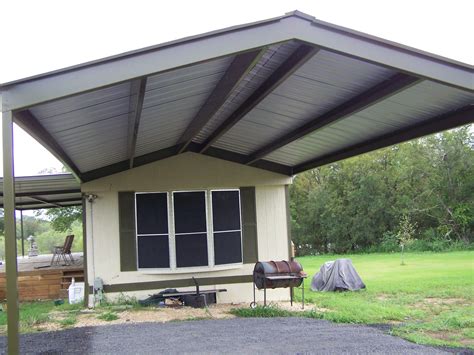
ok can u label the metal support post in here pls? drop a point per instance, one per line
(22, 235)
(264, 294)
(302, 294)
(10, 233)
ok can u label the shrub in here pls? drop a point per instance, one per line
(389, 243)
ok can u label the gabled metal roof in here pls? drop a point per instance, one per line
(45, 191)
(285, 94)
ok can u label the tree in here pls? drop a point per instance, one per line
(63, 218)
(406, 234)
(351, 205)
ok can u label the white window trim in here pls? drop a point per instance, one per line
(173, 269)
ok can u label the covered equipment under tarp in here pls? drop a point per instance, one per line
(338, 275)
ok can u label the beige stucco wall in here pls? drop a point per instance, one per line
(185, 171)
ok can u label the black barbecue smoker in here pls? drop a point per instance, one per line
(277, 274)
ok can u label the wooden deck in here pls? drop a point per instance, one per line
(43, 283)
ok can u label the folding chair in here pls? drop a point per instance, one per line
(63, 252)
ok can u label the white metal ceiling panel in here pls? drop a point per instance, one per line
(324, 82)
(172, 100)
(92, 128)
(51, 188)
(273, 57)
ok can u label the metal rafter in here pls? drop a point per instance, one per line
(237, 70)
(42, 200)
(137, 96)
(368, 98)
(56, 203)
(44, 193)
(26, 120)
(300, 56)
(241, 159)
(462, 116)
(171, 151)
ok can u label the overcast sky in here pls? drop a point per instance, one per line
(40, 36)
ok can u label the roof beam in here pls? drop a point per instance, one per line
(171, 151)
(137, 96)
(26, 120)
(237, 70)
(45, 193)
(300, 56)
(368, 98)
(32, 203)
(42, 200)
(32, 207)
(462, 116)
(124, 165)
(241, 159)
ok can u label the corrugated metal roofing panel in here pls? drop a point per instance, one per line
(79, 102)
(53, 188)
(172, 100)
(85, 124)
(324, 82)
(416, 104)
(273, 57)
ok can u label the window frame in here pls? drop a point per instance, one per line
(173, 268)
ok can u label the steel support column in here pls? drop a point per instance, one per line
(22, 235)
(10, 233)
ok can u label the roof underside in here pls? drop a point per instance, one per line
(285, 107)
(45, 191)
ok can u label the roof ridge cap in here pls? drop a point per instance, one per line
(300, 14)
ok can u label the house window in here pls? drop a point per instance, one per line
(188, 229)
(152, 230)
(226, 226)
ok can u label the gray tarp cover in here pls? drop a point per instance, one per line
(338, 275)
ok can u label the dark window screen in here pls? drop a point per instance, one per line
(227, 248)
(152, 213)
(191, 250)
(190, 212)
(225, 210)
(153, 251)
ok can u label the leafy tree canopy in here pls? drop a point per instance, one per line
(358, 204)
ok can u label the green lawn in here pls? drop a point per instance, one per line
(430, 299)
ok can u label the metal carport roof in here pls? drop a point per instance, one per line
(45, 191)
(285, 94)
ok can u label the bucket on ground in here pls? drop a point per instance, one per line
(76, 292)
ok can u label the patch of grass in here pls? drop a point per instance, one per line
(120, 304)
(34, 314)
(432, 293)
(68, 321)
(108, 316)
(261, 312)
(271, 312)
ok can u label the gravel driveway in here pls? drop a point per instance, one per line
(238, 336)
